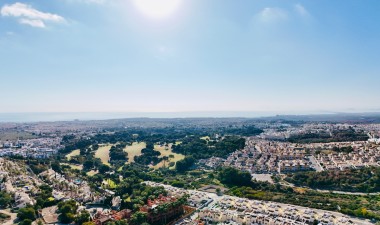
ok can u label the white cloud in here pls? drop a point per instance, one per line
(26, 14)
(270, 15)
(33, 23)
(300, 9)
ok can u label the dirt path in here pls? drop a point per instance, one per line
(13, 217)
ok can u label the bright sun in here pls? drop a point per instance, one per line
(157, 8)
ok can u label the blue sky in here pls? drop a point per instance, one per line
(214, 55)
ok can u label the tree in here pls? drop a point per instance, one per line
(185, 164)
(138, 218)
(165, 159)
(66, 217)
(5, 199)
(232, 176)
(82, 217)
(27, 213)
(26, 222)
(67, 210)
(88, 164)
(219, 192)
(103, 169)
(123, 222)
(56, 167)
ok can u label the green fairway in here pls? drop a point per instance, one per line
(134, 150)
(73, 153)
(103, 153)
(91, 173)
(73, 166)
(166, 151)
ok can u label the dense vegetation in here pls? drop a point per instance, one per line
(186, 141)
(185, 164)
(117, 155)
(233, 177)
(347, 150)
(26, 215)
(353, 180)
(130, 189)
(155, 135)
(44, 197)
(324, 137)
(199, 148)
(68, 210)
(148, 155)
(5, 199)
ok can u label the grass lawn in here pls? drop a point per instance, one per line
(92, 173)
(110, 184)
(73, 153)
(134, 150)
(166, 151)
(206, 138)
(103, 153)
(73, 166)
(327, 151)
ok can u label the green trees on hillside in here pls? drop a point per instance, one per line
(355, 180)
(199, 148)
(27, 213)
(185, 164)
(68, 210)
(233, 177)
(148, 155)
(5, 199)
(117, 155)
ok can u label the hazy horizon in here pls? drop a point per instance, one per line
(86, 116)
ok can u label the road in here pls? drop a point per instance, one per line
(345, 192)
(316, 165)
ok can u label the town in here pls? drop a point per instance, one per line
(42, 174)
(35, 148)
(232, 210)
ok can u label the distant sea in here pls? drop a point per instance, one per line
(70, 116)
(50, 117)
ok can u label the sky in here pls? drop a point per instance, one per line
(189, 56)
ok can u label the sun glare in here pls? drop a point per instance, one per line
(157, 8)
